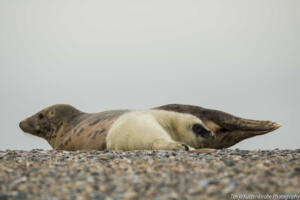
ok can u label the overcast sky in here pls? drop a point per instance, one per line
(241, 57)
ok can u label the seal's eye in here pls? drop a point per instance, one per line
(197, 128)
(200, 130)
(41, 116)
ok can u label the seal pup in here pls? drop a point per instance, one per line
(157, 130)
(66, 128)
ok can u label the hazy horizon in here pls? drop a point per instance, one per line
(241, 57)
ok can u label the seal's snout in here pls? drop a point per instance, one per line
(213, 135)
(21, 125)
(25, 126)
(210, 135)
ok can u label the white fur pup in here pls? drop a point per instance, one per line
(157, 129)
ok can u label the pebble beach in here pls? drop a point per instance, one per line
(224, 174)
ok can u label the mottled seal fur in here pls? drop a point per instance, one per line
(66, 128)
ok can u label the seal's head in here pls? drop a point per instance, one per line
(185, 128)
(49, 121)
(196, 133)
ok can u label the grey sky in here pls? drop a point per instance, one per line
(241, 57)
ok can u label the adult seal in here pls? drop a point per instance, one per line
(67, 128)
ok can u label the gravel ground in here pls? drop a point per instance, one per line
(225, 174)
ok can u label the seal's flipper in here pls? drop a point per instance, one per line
(229, 129)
